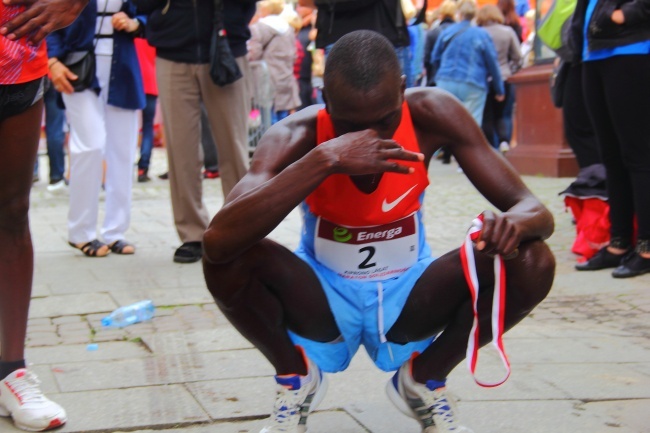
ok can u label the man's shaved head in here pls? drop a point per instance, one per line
(360, 60)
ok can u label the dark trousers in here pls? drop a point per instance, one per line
(497, 116)
(146, 144)
(617, 94)
(54, 122)
(577, 127)
(210, 156)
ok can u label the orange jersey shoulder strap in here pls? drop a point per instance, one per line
(337, 199)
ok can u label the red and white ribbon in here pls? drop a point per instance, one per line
(498, 303)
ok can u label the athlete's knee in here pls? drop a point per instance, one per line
(227, 281)
(14, 214)
(535, 275)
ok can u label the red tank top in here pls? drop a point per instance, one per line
(19, 61)
(338, 199)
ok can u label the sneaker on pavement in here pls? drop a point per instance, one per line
(143, 175)
(433, 408)
(58, 185)
(22, 399)
(296, 397)
(504, 147)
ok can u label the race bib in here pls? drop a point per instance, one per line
(368, 253)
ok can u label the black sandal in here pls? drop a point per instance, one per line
(118, 247)
(90, 249)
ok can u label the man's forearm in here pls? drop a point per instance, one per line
(251, 216)
(41, 18)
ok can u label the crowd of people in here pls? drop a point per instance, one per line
(399, 88)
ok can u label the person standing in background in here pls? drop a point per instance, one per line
(103, 122)
(466, 62)
(510, 17)
(147, 59)
(181, 31)
(336, 19)
(447, 12)
(497, 115)
(304, 76)
(273, 40)
(613, 40)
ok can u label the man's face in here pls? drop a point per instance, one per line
(379, 108)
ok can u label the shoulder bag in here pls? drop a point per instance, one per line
(83, 63)
(223, 67)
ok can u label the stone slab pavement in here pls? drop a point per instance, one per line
(580, 361)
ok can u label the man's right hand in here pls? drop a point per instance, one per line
(41, 18)
(364, 152)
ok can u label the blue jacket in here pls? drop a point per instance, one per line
(125, 88)
(468, 58)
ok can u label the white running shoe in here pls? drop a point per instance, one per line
(434, 409)
(296, 397)
(22, 399)
(504, 147)
(57, 186)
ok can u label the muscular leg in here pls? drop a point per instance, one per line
(19, 136)
(267, 290)
(440, 302)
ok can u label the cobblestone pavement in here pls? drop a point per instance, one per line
(581, 360)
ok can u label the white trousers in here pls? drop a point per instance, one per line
(100, 132)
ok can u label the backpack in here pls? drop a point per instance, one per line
(550, 29)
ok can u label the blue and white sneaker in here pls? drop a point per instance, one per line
(296, 397)
(433, 408)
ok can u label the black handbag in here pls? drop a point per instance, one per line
(223, 66)
(82, 64)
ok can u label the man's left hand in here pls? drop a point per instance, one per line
(499, 235)
(41, 18)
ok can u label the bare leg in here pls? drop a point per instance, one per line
(440, 302)
(267, 291)
(19, 137)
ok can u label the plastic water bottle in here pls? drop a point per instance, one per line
(129, 314)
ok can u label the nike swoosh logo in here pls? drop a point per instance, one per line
(387, 207)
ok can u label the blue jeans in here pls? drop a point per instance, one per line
(54, 134)
(404, 57)
(472, 97)
(276, 116)
(146, 144)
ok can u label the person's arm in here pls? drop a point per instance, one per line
(286, 168)
(523, 217)
(41, 18)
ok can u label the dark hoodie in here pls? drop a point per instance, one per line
(181, 29)
(603, 32)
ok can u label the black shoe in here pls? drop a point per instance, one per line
(143, 175)
(164, 176)
(189, 252)
(632, 266)
(602, 260)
